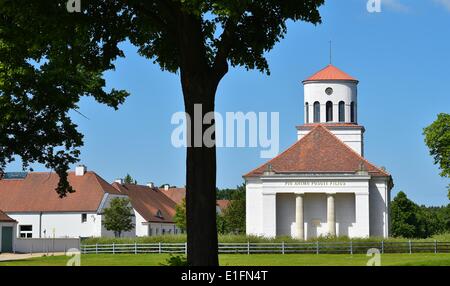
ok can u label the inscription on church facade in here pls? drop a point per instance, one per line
(315, 184)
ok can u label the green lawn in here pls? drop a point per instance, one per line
(245, 260)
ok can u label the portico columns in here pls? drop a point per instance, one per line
(299, 221)
(331, 217)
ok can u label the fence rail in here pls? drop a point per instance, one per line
(352, 247)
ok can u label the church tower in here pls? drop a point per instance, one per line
(331, 99)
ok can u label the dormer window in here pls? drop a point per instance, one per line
(159, 214)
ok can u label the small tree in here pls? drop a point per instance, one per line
(129, 180)
(118, 216)
(234, 214)
(180, 215)
(437, 138)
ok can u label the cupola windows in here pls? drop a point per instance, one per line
(352, 112)
(316, 112)
(307, 112)
(329, 111)
(341, 111)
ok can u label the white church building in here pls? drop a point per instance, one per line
(322, 185)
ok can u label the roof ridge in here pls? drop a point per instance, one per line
(292, 146)
(354, 152)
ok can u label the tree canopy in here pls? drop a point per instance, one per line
(118, 217)
(437, 138)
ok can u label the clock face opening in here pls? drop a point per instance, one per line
(329, 91)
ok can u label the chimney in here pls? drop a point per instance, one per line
(166, 187)
(151, 185)
(119, 181)
(80, 170)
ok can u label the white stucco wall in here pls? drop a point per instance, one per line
(270, 205)
(379, 207)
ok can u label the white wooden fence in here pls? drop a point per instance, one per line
(45, 245)
(350, 247)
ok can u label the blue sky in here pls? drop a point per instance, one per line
(401, 57)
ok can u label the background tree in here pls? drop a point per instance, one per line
(403, 217)
(180, 215)
(437, 138)
(234, 214)
(196, 39)
(129, 180)
(118, 217)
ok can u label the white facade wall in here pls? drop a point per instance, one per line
(253, 206)
(379, 207)
(68, 224)
(270, 205)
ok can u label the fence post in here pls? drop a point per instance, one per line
(282, 247)
(435, 246)
(248, 247)
(185, 248)
(135, 247)
(351, 247)
(382, 247)
(114, 248)
(96, 248)
(317, 247)
(410, 246)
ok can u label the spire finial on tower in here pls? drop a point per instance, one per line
(330, 51)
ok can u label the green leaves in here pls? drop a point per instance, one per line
(118, 216)
(437, 138)
(48, 60)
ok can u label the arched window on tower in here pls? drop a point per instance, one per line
(341, 111)
(352, 112)
(307, 112)
(329, 111)
(316, 112)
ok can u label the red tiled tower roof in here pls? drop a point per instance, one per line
(330, 72)
(319, 151)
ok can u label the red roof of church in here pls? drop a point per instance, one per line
(330, 72)
(319, 151)
(36, 193)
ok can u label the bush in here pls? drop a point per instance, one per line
(175, 260)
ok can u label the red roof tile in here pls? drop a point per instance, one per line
(5, 218)
(319, 151)
(330, 73)
(223, 204)
(36, 193)
(175, 194)
(148, 201)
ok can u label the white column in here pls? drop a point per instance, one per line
(299, 222)
(269, 215)
(362, 215)
(331, 217)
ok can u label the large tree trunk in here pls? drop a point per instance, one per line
(200, 174)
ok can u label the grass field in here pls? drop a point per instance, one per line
(245, 260)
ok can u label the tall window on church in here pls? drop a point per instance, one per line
(329, 108)
(316, 111)
(307, 112)
(341, 111)
(352, 112)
